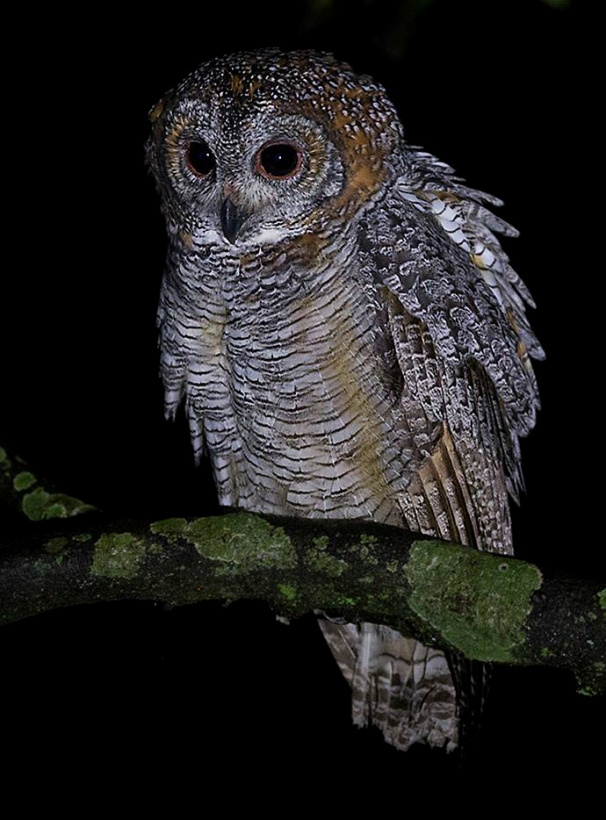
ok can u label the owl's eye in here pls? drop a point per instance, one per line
(200, 158)
(279, 160)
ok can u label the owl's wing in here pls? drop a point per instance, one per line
(462, 343)
(455, 310)
(461, 211)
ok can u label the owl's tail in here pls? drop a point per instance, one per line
(399, 685)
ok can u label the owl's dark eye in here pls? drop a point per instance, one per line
(279, 161)
(200, 158)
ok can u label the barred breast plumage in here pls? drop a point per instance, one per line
(346, 332)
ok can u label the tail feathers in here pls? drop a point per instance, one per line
(399, 685)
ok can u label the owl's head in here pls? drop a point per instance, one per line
(255, 147)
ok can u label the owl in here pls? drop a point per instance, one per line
(346, 334)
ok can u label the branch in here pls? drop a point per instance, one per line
(487, 607)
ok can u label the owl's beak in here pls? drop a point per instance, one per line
(232, 219)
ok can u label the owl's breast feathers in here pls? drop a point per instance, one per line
(289, 378)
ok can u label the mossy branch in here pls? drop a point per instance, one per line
(486, 607)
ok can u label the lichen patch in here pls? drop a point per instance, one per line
(478, 601)
(241, 541)
(118, 555)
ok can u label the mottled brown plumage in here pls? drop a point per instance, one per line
(345, 330)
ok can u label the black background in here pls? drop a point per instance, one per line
(497, 90)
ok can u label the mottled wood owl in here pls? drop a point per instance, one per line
(345, 331)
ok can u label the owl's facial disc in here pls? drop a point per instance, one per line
(248, 172)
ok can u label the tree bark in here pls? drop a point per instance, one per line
(487, 607)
